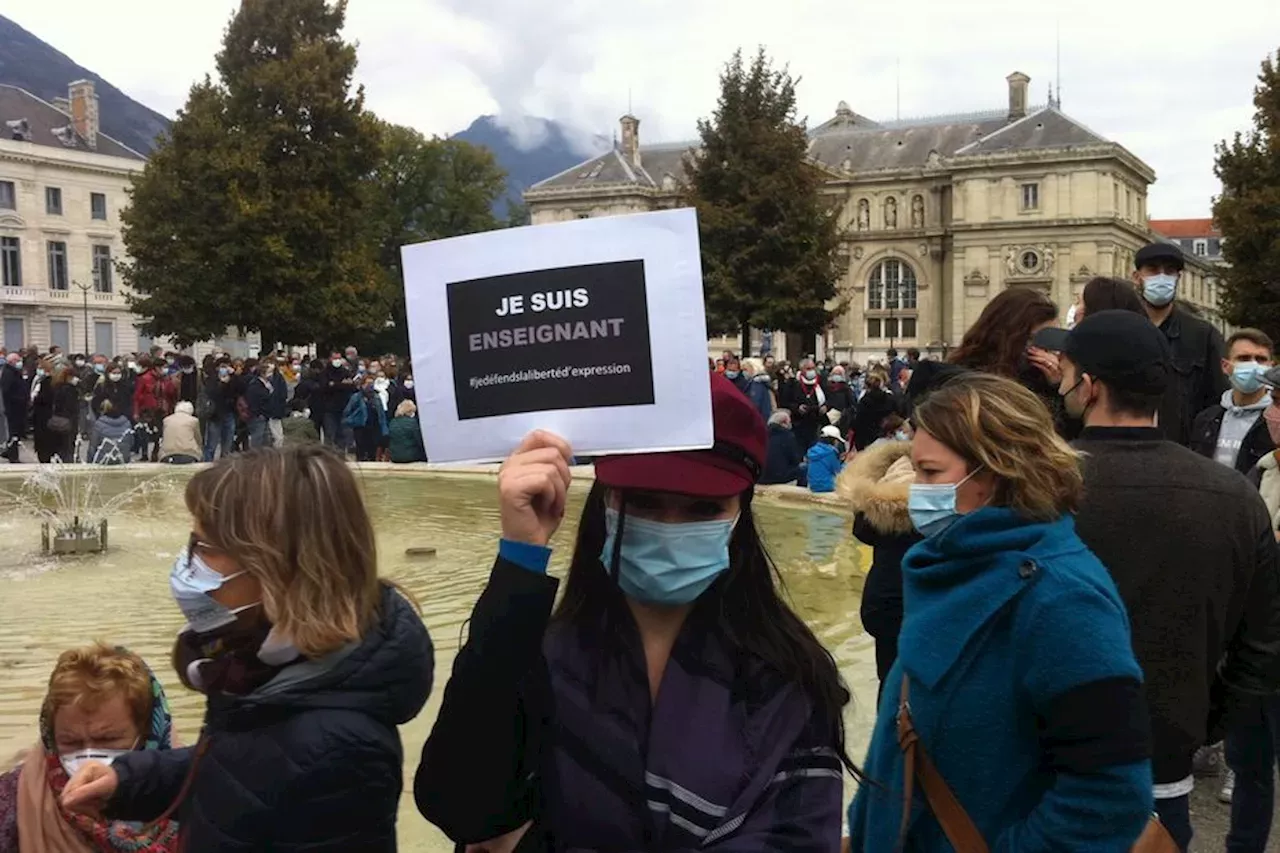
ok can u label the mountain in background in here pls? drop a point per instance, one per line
(44, 71)
(546, 149)
(533, 151)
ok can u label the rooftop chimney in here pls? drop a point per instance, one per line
(84, 111)
(1018, 83)
(631, 140)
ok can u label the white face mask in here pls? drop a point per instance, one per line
(73, 761)
(408, 383)
(380, 384)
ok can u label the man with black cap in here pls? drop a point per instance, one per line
(1188, 542)
(1195, 347)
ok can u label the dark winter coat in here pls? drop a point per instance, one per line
(220, 396)
(406, 440)
(876, 485)
(782, 458)
(111, 442)
(17, 397)
(840, 398)
(805, 424)
(1197, 349)
(312, 761)
(271, 402)
(116, 392)
(875, 405)
(1204, 438)
(542, 723)
(1190, 546)
(760, 393)
(337, 383)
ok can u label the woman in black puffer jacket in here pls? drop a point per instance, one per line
(308, 660)
(876, 484)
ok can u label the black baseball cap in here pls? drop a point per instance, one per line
(1124, 349)
(1158, 253)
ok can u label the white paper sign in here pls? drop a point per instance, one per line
(593, 329)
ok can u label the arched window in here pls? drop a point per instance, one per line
(892, 287)
(891, 301)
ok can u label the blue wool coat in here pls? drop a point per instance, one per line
(1004, 617)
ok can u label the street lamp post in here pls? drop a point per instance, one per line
(84, 289)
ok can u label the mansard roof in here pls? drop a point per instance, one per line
(856, 144)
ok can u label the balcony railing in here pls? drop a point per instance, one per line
(19, 294)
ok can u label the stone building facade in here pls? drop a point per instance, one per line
(937, 215)
(63, 185)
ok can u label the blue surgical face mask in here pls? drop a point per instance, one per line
(811, 375)
(901, 435)
(732, 374)
(670, 564)
(1246, 377)
(761, 377)
(932, 506)
(1159, 289)
(191, 580)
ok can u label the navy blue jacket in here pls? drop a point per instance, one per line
(783, 458)
(313, 765)
(264, 402)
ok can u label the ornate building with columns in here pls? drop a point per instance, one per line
(937, 214)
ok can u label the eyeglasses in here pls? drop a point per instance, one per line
(194, 542)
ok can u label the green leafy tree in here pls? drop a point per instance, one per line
(769, 238)
(426, 189)
(256, 211)
(1248, 211)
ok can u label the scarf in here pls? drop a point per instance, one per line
(815, 386)
(44, 827)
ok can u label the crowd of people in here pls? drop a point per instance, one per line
(1075, 588)
(162, 407)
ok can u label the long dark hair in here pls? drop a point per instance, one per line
(997, 341)
(1104, 293)
(743, 605)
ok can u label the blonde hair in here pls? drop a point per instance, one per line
(294, 519)
(752, 364)
(406, 408)
(92, 675)
(998, 425)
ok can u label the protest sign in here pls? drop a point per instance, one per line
(592, 329)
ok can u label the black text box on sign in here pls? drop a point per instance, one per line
(566, 338)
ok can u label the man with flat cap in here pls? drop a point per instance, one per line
(1195, 346)
(1187, 540)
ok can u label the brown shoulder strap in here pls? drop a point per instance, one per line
(951, 816)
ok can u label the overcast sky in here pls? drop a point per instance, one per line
(1167, 82)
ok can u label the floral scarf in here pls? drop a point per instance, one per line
(103, 836)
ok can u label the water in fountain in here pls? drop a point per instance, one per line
(71, 501)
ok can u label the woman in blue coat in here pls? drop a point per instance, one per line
(309, 664)
(1015, 648)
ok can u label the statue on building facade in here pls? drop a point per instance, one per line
(1011, 260)
(917, 212)
(890, 212)
(1046, 259)
(864, 215)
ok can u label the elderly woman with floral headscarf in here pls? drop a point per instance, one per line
(102, 703)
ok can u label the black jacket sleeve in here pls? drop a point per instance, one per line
(150, 780)
(1216, 381)
(1251, 665)
(479, 777)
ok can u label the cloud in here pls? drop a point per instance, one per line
(1162, 86)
